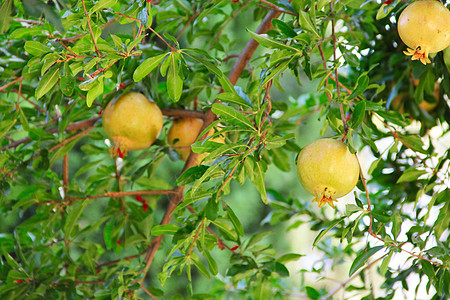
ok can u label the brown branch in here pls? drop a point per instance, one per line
(113, 262)
(276, 8)
(234, 75)
(148, 292)
(90, 122)
(162, 39)
(111, 195)
(11, 83)
(344, 283)
(184, 113)
(90, 29)
(71, 127)
(196, 236)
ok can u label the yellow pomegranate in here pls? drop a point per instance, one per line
(132, 122)
(424, 26)
(327, 170)
(184, 133)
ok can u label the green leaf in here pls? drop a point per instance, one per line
(312, 293)
(226, 229)
(264, 41)
(211, 262)
(384, 11)
(411, 174)
(361, 86)
(358, 114)
(305, 21)
(289, 257)
(351, 209)
(73, 216)
(396, 224)
(5, 11)
(256, 238)
(47, 82)
(235, 221)
(258, 180)
(201, 268)
(230, 114)
(35, 48)
(174, 80)
(233, 98)
(325, 231)
(207, 64)
(284, 28)
(21, 33)
(101, 4)
(164, 229)
(443, 223)
(23, 120)
(385, 263)
(191, 174)
(95, 90)
(361, 259)
(53, 18)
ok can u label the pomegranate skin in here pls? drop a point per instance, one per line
(132, 122)
(424, 26)
(327, 170)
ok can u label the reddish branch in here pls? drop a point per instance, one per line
(90, 29)
(234, 75)
(170, 112)
(111, 195)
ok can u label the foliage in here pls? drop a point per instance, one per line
(81, 224)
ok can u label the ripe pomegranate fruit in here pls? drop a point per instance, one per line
(327, 170)
(132, 122)
(424, 26)
(184, 133)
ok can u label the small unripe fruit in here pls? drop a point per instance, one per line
(132, 122)
(424, 26)
(327, 170)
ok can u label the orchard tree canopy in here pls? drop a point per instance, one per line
(92, 207)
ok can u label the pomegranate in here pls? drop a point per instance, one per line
(327, 170)
(424, 26)
(184, 133)
(132, 122)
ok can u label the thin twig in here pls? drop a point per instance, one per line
(276, 8)
(148, 292)
(344, 283)
(90, 29)
(338, 90)
(11, 83)
(162, 39)
(111, 195)
(196, 236)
